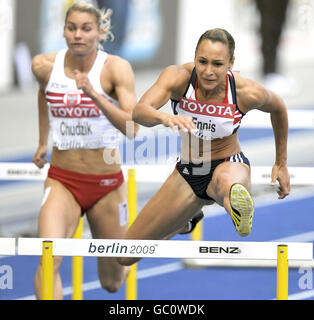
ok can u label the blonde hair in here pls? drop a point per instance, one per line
(103, 18)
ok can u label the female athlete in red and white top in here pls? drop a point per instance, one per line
(85, 100)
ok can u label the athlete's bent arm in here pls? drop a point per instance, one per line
(123, 84)
(41, 66)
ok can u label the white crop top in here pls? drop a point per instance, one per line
(213, 120)
(75, 121)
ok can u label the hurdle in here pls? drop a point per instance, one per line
(280, 252)
(158, 174)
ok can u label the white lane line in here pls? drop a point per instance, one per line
(141, 274)
(302, 295)
(301, 237)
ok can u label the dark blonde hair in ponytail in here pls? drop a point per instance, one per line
(220, 35)
(103, 17)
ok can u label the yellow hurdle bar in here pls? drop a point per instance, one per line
(77, 267)
(47, 271)
(282, 272)
(131, 282)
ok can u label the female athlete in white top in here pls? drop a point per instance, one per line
(209, 102)
(86, 96)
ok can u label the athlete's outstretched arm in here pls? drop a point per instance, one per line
(146, 111)
(279, 119)
(253, 95)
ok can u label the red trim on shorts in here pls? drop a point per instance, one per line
(86, 188)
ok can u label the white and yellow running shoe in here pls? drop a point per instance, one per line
(242, 209)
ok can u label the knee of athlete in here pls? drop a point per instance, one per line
(222, 185)
(111, 285)
(124, 261)
(56, 263)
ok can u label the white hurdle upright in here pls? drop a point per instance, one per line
(280, 252)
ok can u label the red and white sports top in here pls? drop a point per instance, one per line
(212, 120)
(75, 121)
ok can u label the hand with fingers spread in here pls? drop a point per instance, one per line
(179, 122)
(280, 173)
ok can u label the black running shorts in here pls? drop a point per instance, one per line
(198, 176)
